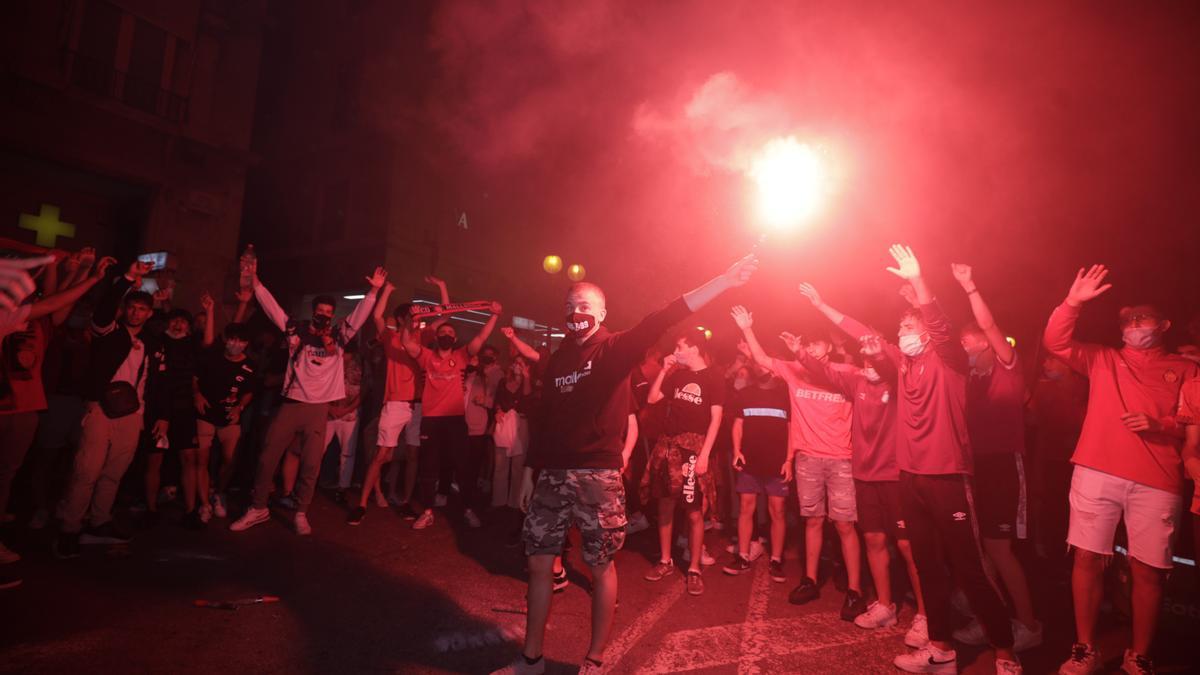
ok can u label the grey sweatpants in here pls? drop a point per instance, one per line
(308, 420)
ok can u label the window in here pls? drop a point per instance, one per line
(145, 67)
(93, 67)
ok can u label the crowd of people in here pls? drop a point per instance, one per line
(882, 442)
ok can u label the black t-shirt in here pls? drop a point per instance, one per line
(182, 355)
(690, 397)
(223, 383)
(764, 414)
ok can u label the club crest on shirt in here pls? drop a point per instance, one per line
(690, 393)
(1171, 377)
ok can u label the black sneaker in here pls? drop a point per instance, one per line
(104, 534)
(806, 592)
(775, 569)
(739, 565)
(560, 581)
(407, 512)
(854, 605)
(356, 515)
(66, 545)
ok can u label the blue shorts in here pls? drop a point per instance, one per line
(773, 486)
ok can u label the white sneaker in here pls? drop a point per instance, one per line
(8, 555)
(877, 616)
(519, 667)
(218, 506)
(928, 659)
(439, 500)
(472, 519)
(300, 522)
(1006, 667)
(1025, 637)
(1136, 664)
(40, 519)
(705, 559)
(637, 523)
(972, 634)
(251, 518)
(206, 513)
(1084, 661)
(424, 521)
(918, 634)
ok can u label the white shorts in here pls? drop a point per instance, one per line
(1099, 501)
(395, 416)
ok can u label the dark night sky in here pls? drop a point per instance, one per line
(1024, 138)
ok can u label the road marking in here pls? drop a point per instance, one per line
(752, 648)
(642, 624)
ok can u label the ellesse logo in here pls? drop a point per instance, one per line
(691, 393)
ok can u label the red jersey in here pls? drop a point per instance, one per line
(1121, 381)
(820, 423)
(873, 422)
(444, 395)
(996, 409)
(931, 405)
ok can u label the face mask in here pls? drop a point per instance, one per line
(176, 335)
(579, 324)
(871, 374)
(446, 342)
(234, 348)
(321, 322)
(1140, 338)
(912, 345)
(739, 383)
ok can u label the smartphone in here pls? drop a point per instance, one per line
(157, 260)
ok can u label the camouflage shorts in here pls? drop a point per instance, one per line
(592, 499)
(672, 472)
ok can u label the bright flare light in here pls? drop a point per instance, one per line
(791, 182)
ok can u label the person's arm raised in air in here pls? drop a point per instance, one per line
(522, 348)
(630, 347)
(381, 307)
(362, 311)
(745, 321)
(848, 324)
(822, 372)
(104, 315)
(983, 314)
(476, 343)
(267, 302)
(207, 304)
(1059, 337)
(656, 392)
(243, 295)
(443, 298)
(65, 300)
(937, 324)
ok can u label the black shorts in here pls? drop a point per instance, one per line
(1000, 496)
(878, 504)
(181, 433)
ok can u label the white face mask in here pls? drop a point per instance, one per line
(739, 383)
(1141, 338)
(912, 345)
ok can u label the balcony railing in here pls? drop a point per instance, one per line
(103, 79)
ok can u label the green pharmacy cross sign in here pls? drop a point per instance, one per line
(47, 225)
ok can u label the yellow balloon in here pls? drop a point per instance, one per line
(576, 272)
(552, 264)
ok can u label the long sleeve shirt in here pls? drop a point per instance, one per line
(1123, 381)
(931, 432)
(584, 410)
(315, 373)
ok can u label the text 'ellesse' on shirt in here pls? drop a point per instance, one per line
(689, 397)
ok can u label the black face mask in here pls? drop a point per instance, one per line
(579, 324)
(446, 342)
(321, 322)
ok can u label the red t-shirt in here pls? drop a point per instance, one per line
(996, 409)
(1189, 413)
(872, 422)
(931, 432)
(403, 372)
(820, 423)
(1125, 380)
(444, 394)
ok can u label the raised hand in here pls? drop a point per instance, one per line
(962, 273)
(15, 282)
(389, 288)
(1088, 285)
(430, 279)
(907, 265)
(910, 295)
(792, 342)
(206, 302)
(137, 270)
(496, 308)
(102, 266)
(742, 317)
(508, 332)
(741, 271)
(244, 295)
(162, 296)
(809, 291)
(870, 345)
(377, 278)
